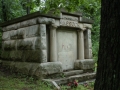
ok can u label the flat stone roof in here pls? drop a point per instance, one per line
(49, 15)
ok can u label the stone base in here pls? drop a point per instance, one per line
(81, 78)
(86, 64)
(49, 68)
(34, 69)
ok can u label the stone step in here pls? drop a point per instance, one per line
(73, 72)
(88, 81)
(54, 84)
(81, 78)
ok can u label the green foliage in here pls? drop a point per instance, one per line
(12, 8)
(70, 5)
(15, 83)
(91, 9)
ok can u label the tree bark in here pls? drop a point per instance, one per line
(4, 14)
(28, 8)
(108, 70)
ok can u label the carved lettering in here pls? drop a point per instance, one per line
(69, 23)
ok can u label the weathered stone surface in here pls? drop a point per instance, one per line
(88, 44)
(43, 43)
(28, 22)
(13, 55)
(6, 35)
(5, 55)
(66, 47)
(23, 24)
(23, 67)
(73, 72)
(43, 56)
(52, 83)
(18, 55)
(42, 33)
(23, 55)
(29, 44)
(18, 25)
(87, 26)
(21, 33)
(84, 64)
(68, 17)
(6, 63)
(44, 20)
(33, 68)
(49, 68)
(69, 23)
(31, 56)
(9, 45)
(11, 27)
(13, 34)
(85, 20)
(32, 31)
(32, 21)
(74, 24)
(80, 78)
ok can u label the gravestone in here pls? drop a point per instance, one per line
(44, 44)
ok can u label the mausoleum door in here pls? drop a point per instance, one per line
(67, 47)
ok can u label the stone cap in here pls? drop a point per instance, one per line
(26, 17)
(50, 14)
(85, 20)
(76, 13)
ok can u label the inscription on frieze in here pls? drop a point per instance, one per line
(69, 23)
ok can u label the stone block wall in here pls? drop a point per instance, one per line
(24, 41)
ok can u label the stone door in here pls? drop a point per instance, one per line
(67, 47)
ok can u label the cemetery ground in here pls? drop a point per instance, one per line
(16, 81)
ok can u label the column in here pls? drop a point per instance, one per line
(88, 44)
(53, 45)
(80, 45)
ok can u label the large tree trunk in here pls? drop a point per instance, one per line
(108, 70)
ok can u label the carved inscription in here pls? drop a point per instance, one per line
(69, 23)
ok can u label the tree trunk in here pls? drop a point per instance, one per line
(108, 70)
(4, 14)
(28, 8)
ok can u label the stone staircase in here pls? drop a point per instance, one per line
(69, 76)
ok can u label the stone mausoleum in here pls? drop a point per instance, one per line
(47, 44)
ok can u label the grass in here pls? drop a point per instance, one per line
(11, 81)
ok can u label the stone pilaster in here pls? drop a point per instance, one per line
(80, 45)
(43, 46)
(88, 44)
(53, 45)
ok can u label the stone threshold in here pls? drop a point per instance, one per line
(81, 78)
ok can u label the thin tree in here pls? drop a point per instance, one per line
(108, 70)
(4, 12)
